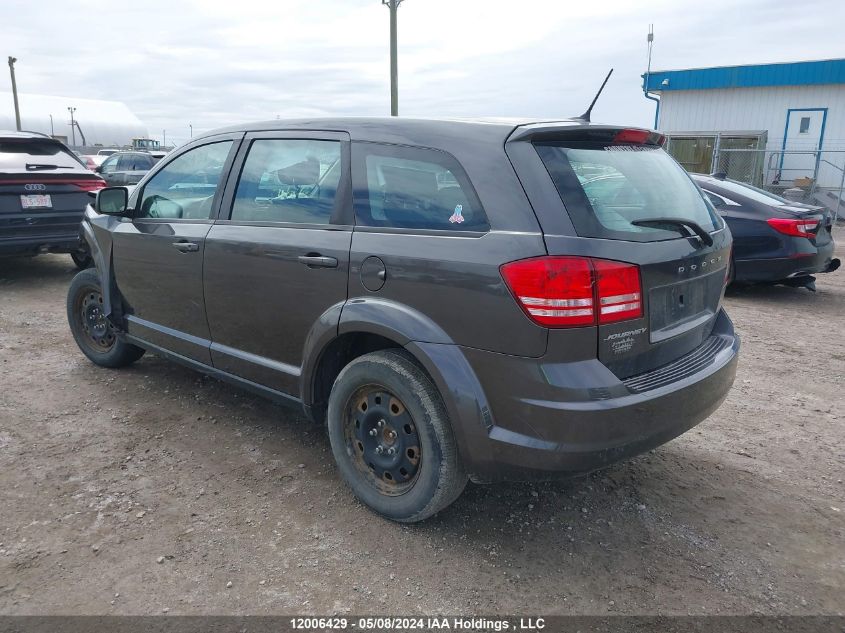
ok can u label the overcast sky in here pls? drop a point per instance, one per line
(213, 63)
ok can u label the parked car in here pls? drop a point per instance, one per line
(89, 161)
(126, 168)
(44, 189)
(775, 240)
(447, 297)
(92, 161)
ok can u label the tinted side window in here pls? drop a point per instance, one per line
(127, 162)
(288, 180)
(109, 165)
(185, 187)
(414, 188)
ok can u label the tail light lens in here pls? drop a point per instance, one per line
(798, 227)
(618, 291)
(89, 185)
(639, 137)
(563, 292)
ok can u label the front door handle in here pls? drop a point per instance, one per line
(318, 261)
(186, 247)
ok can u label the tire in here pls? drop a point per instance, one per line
(94, 334)
(385, 400)
(82, 258)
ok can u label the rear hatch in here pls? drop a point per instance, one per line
(43, 190)
(620, 198)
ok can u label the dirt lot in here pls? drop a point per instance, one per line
(154, 489)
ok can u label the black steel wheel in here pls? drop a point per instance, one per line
(383, 440)
(93, 332)
(391, 437)
(99, 332)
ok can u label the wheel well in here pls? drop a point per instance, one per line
(337, 355)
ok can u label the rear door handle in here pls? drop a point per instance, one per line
(318, 261)
(186, 247)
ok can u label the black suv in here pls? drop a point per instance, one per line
(43, 193)
(454, 300)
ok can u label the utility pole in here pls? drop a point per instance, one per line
(72, 124)
(192, 129)
(164, 135)
(12, 61)
(393, 5)
(648, 95)
(52, 132)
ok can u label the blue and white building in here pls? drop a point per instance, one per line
(794, 111)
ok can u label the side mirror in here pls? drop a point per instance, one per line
(112, 201)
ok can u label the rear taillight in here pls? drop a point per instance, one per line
(575, 291)
(799, 227)
(639, 137)
(618, 291)
(89, 185)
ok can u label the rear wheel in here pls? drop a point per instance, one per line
(93, 332)
(391, 437)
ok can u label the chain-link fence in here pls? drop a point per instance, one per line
(804, 175)
(814, 177)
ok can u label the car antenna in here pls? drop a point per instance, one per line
(586, 115)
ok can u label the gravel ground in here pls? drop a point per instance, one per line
(154, 489)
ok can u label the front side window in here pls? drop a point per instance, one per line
(415, 188)
(109, 165)
(288, 180)
(615, 191)
(184, 189)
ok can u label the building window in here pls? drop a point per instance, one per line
(805, 125)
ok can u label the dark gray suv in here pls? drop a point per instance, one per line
(454, 300)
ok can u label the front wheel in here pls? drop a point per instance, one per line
(391, 437)
(93, 332)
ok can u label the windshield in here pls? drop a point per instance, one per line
(608, 188)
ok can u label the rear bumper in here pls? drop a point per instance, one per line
(34, 244)
(803, 264)
(539, 421)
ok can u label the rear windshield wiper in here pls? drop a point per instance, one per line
(695, 227)
(40, 166)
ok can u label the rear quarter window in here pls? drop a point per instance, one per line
(607, 188)
(413, 188)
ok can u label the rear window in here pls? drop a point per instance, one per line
(754, 193)
(414, 188)
(16, 154)
(607, 188)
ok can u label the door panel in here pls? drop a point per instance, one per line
(162, 285)
(278, 257)
(261, 300)
(158, 256)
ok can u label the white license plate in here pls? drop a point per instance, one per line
(36, 202)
